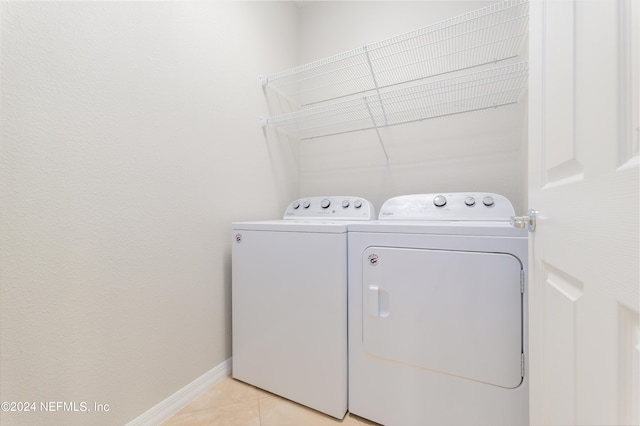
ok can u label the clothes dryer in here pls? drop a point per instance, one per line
(438, 313)
(289, 301)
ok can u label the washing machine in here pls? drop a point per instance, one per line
(438, 313)
(289, 301)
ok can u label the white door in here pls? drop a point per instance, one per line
(583, 180)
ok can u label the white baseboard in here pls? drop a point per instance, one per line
(167, 408)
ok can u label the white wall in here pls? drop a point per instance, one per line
(129, 143)
(480, 151)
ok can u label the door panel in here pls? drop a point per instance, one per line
(560, 158)
(562, 293)
(455, 312)
(629, 367)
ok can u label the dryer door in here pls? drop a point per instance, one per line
(454, 312)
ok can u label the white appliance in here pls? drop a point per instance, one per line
(289, 301)
(438, 313)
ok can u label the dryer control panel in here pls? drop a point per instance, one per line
(452, 206)
(331, 208)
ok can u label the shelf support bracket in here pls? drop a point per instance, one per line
(375, 126)
(375, 83)
(366, 101)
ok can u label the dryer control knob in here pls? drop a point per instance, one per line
(470, 201)
(357, 204)
(440, 201)
(306, 204)
(296, 205)
(345, 204)
(488, 201)
(325, 203)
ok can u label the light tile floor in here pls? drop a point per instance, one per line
(234, 403)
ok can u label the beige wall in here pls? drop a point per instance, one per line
(130, 141)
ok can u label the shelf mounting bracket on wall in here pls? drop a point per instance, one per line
(375, 84)
(373, 120)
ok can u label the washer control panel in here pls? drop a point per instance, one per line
(333, 207)
(450, 206)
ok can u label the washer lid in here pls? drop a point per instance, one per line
(459, 206)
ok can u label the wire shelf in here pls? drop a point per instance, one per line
(475, 91)
(487, 35)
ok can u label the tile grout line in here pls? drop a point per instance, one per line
(259, 413)
(257, 398)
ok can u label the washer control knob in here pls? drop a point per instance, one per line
(345, 204)
(488, 201)
(470, 201)
(296, 205)
(357, 204)
(325, 203)
(440, 201)
(306, 204)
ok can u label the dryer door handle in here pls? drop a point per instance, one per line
(378, 302)
(374, 301)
